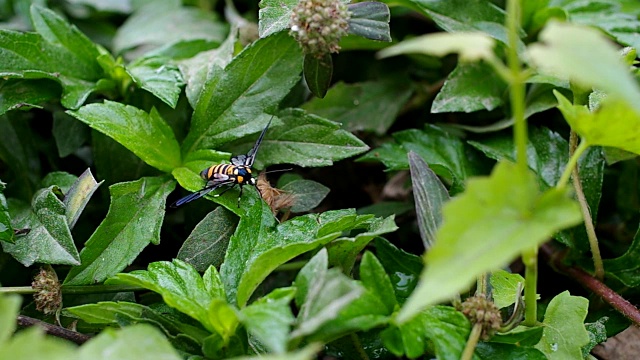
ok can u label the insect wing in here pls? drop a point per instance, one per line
(199, 194)
(239, 160)
(251, 155)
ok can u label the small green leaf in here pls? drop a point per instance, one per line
(564, 332)
(6, 230)
(504, 287)
(132, 342)
(69, 133)
(49, 240)
(78, 196)
(470, 87)
(308, 194)
(307, 353)
(63, 181)
(491, 351)
(9, 308)
(377, 281)
(146, 135)
(275, 16)
(158, 76)
(402, 267)
(369, 106)
(207, 243)
(491, 223)
(370, 20)
(223, 318)
(133, 221)
(584, 56)
(429, 195)
(597, 334)
(269, 319)
(26, 94)
(469, 46)
(614, 124)
(317, 74)
(33, 342)
(181, 287)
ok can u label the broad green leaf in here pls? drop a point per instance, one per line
(429, 195)
(470, 46)
(564, 333)
(317, 74)
(343, 251)
(325, 293)
(115, 6)
(445, 153)
(78, 196)
(376, 280)
(470, 87)
(597, 334)
(492, 351)
(521, 335)
(9, 308)
(486, 227)
(181, 287)
(207, 243)
(308, 194)
(49, 240)
(223, 318)
(146, 134)
(584, 56)
(269, 319)
(614, 124)
(133, 221)
(63, 181)
(275, 16)
(17, 152)
(6, 230)
(625, 267)
(141, 341)
(32, 343)
(370, 20)
(307, 353)
(445, 327)
(147, 27)
(402, 267)
(26, 94)
(69, 133)
(504, 287)
(369, 106)
(158, 76)
(233, 103)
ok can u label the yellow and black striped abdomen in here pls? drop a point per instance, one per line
(237, 173)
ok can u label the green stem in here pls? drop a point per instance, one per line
(472, 341)
(517, 88)
(481, 284)
(573, 161)
(88, 289)
(530, 260)
(357, 345)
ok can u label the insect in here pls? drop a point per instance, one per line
(230, 175)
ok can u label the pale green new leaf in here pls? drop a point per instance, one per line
(32, 343)
(486, 227)
(78, 196)
(140, 341)
(471, 46)
(504, 287)
(269, 319)
(158, 76)
(9, 307)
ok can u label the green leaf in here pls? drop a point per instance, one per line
(181, 287)
(132, 342)
(597, 334)
(458, 15)
(317, 74)
(402, 267)
(6, 230)
(62, 181)
(625, 267)
(344, 250)
(274, 16)
(33, 342)
(49, 240)
(114, 162)
(469, 46)
(158, 76)
(26, 94)
(9, 308)
(147, 27)
(308, 194)
(521, 335)
(370, 20)
(564, 333)
(301, 139)
(146, 135)
(584, 56)
(490, 351)
(133, 221)
(233, 104)
(78, 196)
(223, 318)
(504, 287)
(307, 353)
(269, 319)
(369, 106)
(69, 133)
(490, 224)
(207, 243)
(375, 280)
(429, 195)
(614, 124)
(470, 87)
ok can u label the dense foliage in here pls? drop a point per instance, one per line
(432, 159)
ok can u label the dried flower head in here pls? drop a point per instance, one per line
(478, 309)
(48, 294)
(274, 197)
(318, 25)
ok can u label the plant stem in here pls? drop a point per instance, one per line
(530, 260)
(76, 337)
(517, 90)
(472, 341)
(88, 289)
(357, 345)
(586, 213)
(573, 161)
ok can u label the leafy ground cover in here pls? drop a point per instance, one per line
(435, 165)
